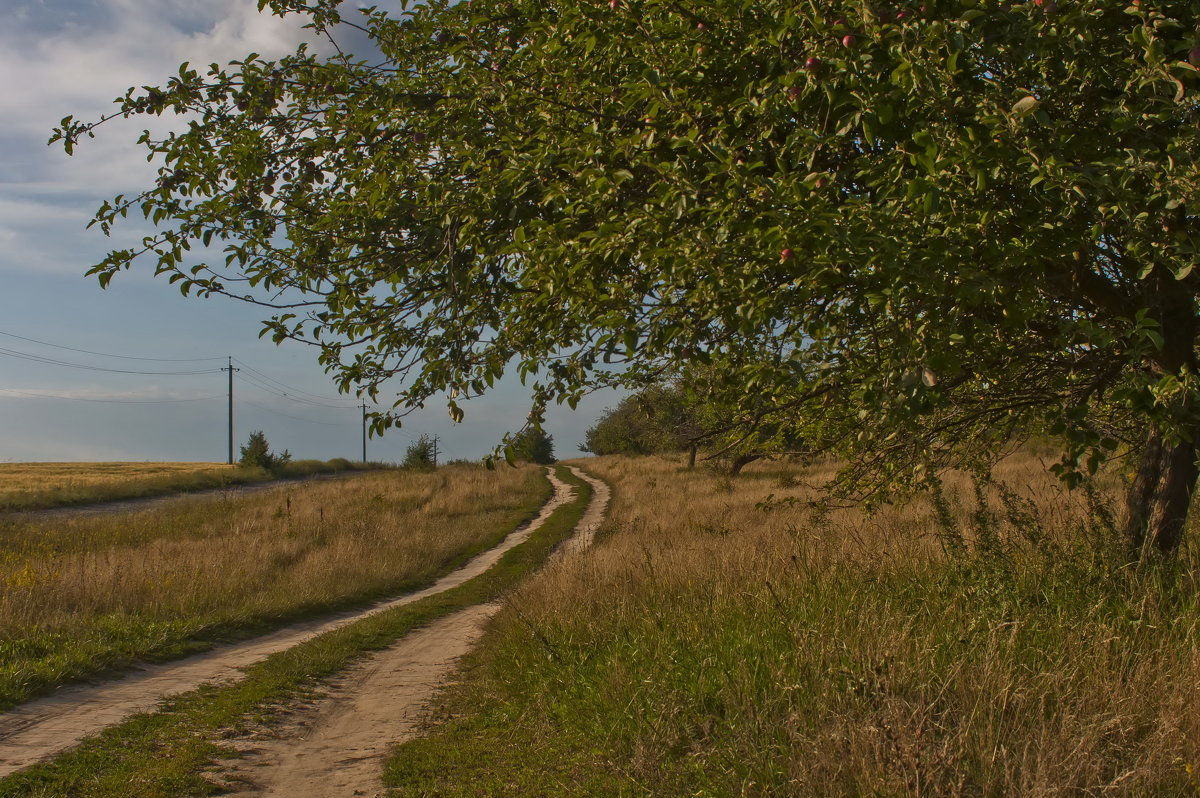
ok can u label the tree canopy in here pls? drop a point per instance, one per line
(907, 231)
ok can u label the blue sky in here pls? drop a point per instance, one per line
(60, 57)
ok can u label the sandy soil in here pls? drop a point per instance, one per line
(40, 729)
(333, 747)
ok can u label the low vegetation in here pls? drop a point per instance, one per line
(82, 594)
(982, 640)
(33, 486)
(165, 754)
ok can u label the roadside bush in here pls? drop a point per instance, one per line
(257, 454)
(420, 455)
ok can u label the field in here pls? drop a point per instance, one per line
(83, 594)
(714, 644)
(28, 486)
(179, 750)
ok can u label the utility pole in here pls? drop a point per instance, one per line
(435, 451)
(230, 369)
(364, 409)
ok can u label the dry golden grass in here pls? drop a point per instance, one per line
(31, 486)
(80, 593)
(713, 646)
(39, 476)
(22, 479)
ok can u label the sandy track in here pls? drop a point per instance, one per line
(334, 746)
(40, 729)
(139, 503)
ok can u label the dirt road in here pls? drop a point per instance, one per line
(334, 747)
(40, 729)
(151, 502)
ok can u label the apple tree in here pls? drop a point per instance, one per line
(909, 231)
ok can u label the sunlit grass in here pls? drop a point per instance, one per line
(29, 486)
(81, 594)
(710, 646)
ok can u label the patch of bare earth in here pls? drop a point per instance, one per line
(41, 729)
(333, 746)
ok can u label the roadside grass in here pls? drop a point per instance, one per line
(166, 754)
(38, 486)
(81, 596)
(708, 646)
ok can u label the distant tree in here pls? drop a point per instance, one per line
(694, 411)
(534, 445)
(257, 453)
(420, 454)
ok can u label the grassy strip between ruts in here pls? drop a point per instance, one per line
(168, 484)
(165, 753)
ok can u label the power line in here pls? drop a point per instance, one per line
(284, 386)
(108, 401)
(267, 388)
(54, 362)
(294, 418)
(107, 354)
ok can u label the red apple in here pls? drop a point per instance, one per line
(699, 26)
(849, 40)
(613, 4)
(786, 255)
(820, 182)
(793, 93)
(812, 63)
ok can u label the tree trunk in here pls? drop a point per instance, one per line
(741, 462)
(692, 456)
(1161, 494)
(1158, 501)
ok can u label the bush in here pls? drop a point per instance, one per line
(533, 445)
(420, 455)
(257, 454)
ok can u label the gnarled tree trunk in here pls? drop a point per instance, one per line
(1158, 501)
(741, 462)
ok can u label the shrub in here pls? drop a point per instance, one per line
(257, 454)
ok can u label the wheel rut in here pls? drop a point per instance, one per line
(40, 729)
(334, 745)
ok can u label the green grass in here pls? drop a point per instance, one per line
(141, 487)
(163, 754)
(682, 665)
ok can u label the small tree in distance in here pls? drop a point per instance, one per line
(533, 445)
(257, 453)
(419, 455)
